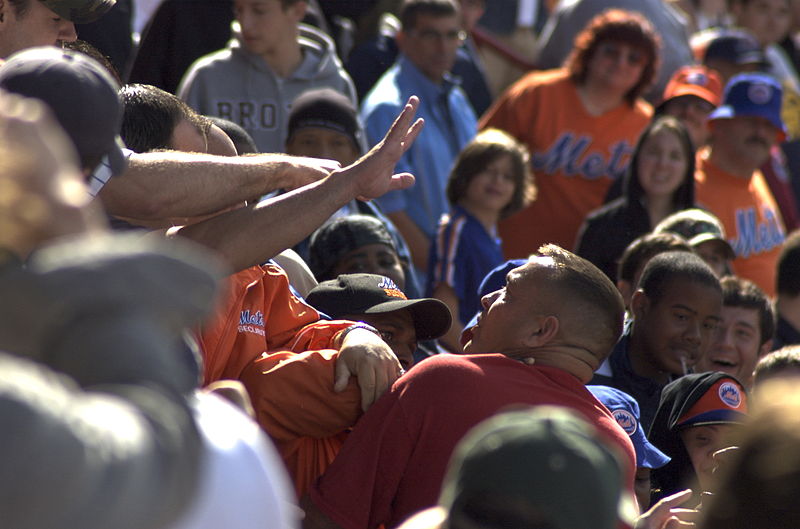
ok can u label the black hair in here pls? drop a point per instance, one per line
(411, 9)
(666, 267)
(151, 115)
(644, 248)
(784, 359)
(242, 140)
(740, 292)
(788, 277)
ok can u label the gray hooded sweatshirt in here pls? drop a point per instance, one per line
(239, 86)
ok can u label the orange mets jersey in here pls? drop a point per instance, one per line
(574, 155)
(750, 216)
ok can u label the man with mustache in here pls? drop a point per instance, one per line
(729, 183)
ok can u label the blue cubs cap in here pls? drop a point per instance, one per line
(625, 410)
(752, 94)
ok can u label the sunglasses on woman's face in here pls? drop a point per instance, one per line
(615, 51)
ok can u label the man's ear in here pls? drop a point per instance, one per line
(626, 289)
(765, 348)
(543, 332)
(399, 38)
(298, 10)
(639, 304)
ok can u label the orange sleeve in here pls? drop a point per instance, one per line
(321, 334)
(293, 395)
(287, 314)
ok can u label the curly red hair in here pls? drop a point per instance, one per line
(621, 26)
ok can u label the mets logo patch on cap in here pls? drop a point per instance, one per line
(759, 93)
(729, 394)
(626, 420)
(725, 402)
(390, 288)
(697, 78)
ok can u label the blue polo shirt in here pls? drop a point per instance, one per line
(450, 123)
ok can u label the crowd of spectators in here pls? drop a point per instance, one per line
(454, 264)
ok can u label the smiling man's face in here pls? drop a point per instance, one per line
(676, 330)
(737, 346)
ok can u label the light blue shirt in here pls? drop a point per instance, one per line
(450, 123)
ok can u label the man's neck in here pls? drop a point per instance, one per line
(574, 360)
(284, 61)
(598, 99)
(729, 164)
(789, 309)
(639, 362)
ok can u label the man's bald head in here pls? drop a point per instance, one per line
(589, 307)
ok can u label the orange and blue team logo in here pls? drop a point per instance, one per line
(626, 420)
(571, 154)
(754, 237)
(730, 395)
(390, 288)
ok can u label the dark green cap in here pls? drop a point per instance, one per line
(79, 11)
(544, 466)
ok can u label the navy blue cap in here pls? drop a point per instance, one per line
(625, 410)
(752, 94)
(81, 94)
(494, 280)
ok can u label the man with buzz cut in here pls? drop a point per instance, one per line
(537, 342)
(28, 23)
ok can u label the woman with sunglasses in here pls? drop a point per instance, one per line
(580, 123)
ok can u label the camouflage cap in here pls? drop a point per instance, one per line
(79, 11)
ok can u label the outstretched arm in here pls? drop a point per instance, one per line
(251, 235)
(162, 185)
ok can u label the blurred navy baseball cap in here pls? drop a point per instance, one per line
(81, 94)
(752, 94)
(79, 11)
(494, 280)
(625, 411)
(734, 46)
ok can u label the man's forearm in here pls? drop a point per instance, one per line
(252, 235)
(173, 184)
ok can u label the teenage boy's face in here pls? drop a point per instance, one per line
(701, 442)
(397, 330)
(737, 345)
(715, 256)
(676, 330)
(266, 25)
(319, 142)
(38, 26)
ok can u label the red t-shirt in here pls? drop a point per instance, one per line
(575, 156)
(393, 463)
